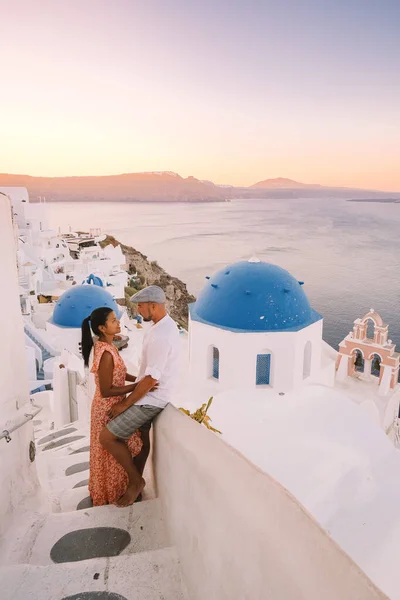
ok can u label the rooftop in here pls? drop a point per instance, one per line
(254, 296)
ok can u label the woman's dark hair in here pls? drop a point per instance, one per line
(93, 322)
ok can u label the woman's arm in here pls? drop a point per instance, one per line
(106, 368)
(130, 377)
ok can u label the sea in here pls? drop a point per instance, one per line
(347, 253)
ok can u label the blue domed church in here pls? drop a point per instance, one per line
(252, 325)
(71, 308)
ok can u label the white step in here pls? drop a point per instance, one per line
(57, 466)
(32, 542)
(62, 435)
(67, 499)
(147, 576)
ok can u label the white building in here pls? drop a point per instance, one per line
(19, 197)
(235, 507)
(71, 309)
(252, 326)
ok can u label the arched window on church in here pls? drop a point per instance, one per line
(370, 329)
(398, 378)
(263, 369)
(215, 363)
(307, 360)
(376, 365)
(359, 361)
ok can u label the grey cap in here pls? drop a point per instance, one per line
(152, 293)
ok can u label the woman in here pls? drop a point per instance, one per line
(107, 480)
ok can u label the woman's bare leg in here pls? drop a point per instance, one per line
(120, 451)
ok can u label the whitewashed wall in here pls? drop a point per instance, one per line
(65, 338)
(19, 198)
(238, 355)
(239, 534)
(17, 473)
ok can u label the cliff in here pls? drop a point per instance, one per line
(150, 273)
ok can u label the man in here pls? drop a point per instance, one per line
(159, 368)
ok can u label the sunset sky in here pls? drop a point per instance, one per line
(231, 91)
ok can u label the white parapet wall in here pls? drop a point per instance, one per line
(17, 473)
(238, 532)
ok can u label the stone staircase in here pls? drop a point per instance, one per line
(45, 353)
(75, 551)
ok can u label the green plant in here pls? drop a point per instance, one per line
(129, 291)
(133, 281)
(200, 415)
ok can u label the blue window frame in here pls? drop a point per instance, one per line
(215, 363)
(263, 369)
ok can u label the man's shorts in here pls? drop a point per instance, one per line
(133, 418)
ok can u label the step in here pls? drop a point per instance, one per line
(58, 466)
(33, 541)
(61, 468)
(64, 439)
(151, 575)
(67, 500)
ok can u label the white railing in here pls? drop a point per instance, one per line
(18, 422)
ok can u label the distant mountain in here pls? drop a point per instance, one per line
(130, 187)
(166, 186)
(283, 183)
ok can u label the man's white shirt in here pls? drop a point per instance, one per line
(161, 360)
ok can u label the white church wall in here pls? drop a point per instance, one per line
(238, 355)
(308, 349)
(65, 338)
(18, 474)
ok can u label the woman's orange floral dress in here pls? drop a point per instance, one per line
(107, 479)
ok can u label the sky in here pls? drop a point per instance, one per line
(230, 91)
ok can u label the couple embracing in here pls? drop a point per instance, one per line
(122, 413)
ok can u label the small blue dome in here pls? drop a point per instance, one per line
(94, 280)
(78, 302)
(254, 296)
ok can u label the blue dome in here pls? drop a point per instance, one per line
(254, 296)
(77, 303)
(94, 279)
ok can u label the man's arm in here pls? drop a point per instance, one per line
(142, 388)
(158, 354)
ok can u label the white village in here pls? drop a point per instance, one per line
(295, 496)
